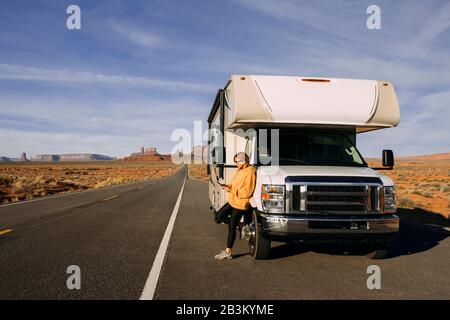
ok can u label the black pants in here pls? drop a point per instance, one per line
(231, 216)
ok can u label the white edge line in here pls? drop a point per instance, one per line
(152, 280)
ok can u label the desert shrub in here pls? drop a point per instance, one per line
(427, 194)
(422, 193)
(22, 186)
(53, 185)
(445, 189)
(5, 180)
(39, 180)
(72, 184)
(436, 185)
(71, 171)
(424, 185)
(405, 203)
(112, 181)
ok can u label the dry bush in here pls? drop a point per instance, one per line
(5, 180)
(21, 185)
(427, 194)
(112, 181)
(72, 184)
(198, 172)
(39, 180)
(403, 202)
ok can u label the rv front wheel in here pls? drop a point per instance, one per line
(259, 247)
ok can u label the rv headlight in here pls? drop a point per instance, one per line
(389, 205)
(273, 198)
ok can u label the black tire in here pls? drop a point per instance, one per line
(259, 247)
(379, 253)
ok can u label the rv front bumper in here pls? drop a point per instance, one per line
(318, 228)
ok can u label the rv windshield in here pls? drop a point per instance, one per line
(309, 148)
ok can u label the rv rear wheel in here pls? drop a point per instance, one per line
(259, 247)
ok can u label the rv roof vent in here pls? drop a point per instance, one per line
(316, 80)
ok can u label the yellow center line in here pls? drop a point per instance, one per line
(110, 198)
(5, 231)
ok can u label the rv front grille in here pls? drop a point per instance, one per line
(338, 199)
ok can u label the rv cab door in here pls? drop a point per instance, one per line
(215, 156)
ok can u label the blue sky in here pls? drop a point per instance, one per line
(137, 70)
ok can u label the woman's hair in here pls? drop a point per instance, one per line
(242, 156)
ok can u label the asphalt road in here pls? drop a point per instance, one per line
(113, 235)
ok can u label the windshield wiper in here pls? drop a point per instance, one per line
(339, 162)
(294, 160)
(348, 164)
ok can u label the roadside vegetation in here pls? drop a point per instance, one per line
(198, 172)
(23, 181)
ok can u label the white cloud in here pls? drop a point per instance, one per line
(143, 38)
(17, 72)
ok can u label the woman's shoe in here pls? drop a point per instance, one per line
(223, 255)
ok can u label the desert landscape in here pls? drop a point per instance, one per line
(28, 180)
(423, 182)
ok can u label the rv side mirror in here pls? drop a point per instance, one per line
(388, 158)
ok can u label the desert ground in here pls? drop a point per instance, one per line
(24, 181)
(423, 183)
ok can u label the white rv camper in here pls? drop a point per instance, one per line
(312, 182)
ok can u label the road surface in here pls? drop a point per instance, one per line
(114, 235)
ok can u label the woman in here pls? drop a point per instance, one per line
(239, 192)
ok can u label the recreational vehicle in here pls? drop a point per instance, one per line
(312, 183)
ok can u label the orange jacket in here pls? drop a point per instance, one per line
(242, 187)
